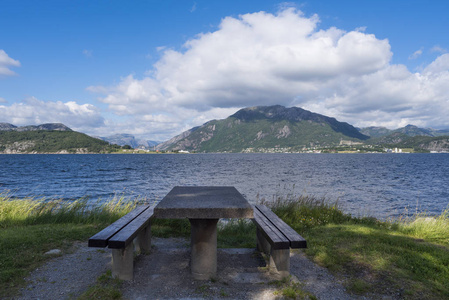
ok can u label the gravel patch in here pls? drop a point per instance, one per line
(68, 275)
(165, 274)
(317, 280)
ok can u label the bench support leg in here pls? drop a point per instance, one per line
(203, 261)
(279, 258)
(122, 262)
(143, 240)
(280, 261)
(262, 244)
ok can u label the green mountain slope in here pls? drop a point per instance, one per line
(409, 130)
(265, 127)
(52, 141)
(375, 131)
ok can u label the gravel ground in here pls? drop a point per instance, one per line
(67, 275)
(164, 274)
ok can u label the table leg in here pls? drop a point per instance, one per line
(203, 261)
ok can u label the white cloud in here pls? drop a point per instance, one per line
(438, 49)
(415, 54)
(439, 65)
(392, 97)
(283, 58)
(3, 100)
(193, 9)
(6, 63)
(80, 117)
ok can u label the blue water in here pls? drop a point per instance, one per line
(379, 185)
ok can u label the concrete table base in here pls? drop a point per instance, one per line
(203, 248)
(203, 206)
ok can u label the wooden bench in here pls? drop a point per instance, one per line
(130, 233)
(275, 238)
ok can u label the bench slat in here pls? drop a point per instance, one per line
(296, 241)
(101, 238)
(125, 236)
(276, 238)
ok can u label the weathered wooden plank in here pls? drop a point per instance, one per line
(101, 238)
(296, 240)
(125, 236)
(273, 235)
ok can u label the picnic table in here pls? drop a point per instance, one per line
(203, 206)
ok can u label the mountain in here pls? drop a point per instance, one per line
(49, 138)
(175, 140)
(375, 131)
(409, 130)
(48, 126)
(7, 127)
(409, 136)
(152, 143)
(265, 127)
(123, 139)
(412, 130)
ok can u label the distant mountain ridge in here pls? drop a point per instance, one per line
(253, 129)
(123, 139)
(47, 126)
(409, 130)
(265, 127)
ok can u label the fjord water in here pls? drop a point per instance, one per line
(379, 185)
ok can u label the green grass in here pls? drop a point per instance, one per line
(31, 227)
(405, 256)
(106, 287)
(237, 233)
(170, 228)
(408, 257)
(290, 289)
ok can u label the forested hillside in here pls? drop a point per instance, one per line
(47, 141)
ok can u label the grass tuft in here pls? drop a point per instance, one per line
(430, 228)
(304, 212)
(106, 287)
(30, 211)
(291, 289)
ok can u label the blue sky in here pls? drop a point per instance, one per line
(156, 68)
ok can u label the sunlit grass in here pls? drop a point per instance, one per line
(404, 256)
(430, 228)
(31, 211)
(30, 227)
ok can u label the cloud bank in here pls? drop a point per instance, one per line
(261, 59)
(80, 117)
(284, 58)
(6, 63)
